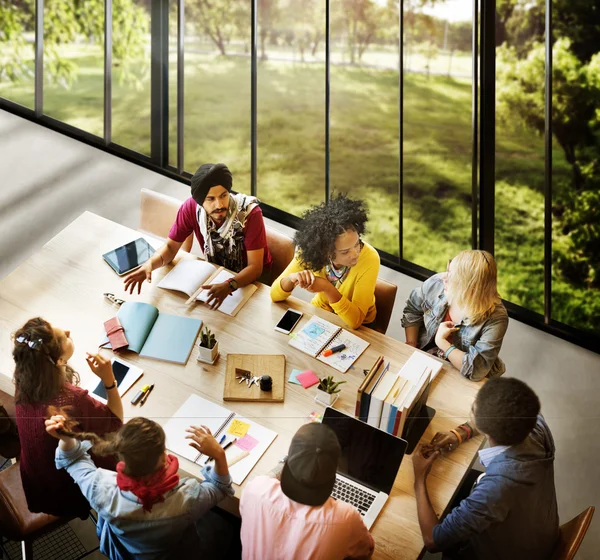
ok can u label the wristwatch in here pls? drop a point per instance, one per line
(233, 285)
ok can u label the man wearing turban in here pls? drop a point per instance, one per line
(229, 228)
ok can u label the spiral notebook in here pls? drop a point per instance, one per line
(318, 335)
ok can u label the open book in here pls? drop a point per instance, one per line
(157, 335)
(250, 439)
(318, 335)
(188, 276)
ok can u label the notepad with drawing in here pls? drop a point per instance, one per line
(157, 335)
(253, 438)
(188, 276)
(318, 335)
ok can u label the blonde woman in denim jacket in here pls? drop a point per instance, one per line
(458, 315)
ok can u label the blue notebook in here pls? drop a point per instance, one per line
(157, 335)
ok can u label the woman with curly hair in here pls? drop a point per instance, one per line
(333, 262)
(43, 378)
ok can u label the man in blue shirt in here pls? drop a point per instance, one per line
(511, 513)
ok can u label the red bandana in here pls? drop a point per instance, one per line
(150, 490)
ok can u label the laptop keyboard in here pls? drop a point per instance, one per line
(353, 495)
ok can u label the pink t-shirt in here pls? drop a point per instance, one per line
(274, 527)
(255, 236)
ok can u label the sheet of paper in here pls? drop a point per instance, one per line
(416, 364)
(342, 360)
(294, 375)
(307, 379)
(231, 302)
(313, 336)
(187, 276)
(238, 428)
(248, 443)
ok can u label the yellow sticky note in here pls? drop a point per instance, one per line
(238, 428)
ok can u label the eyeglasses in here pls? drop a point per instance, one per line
(114, 299)
(36, 345)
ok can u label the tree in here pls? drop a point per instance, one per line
(64, 22)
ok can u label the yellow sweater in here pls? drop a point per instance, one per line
(357, 304)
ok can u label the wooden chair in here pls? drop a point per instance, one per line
(385, 296)
(572, 534)
(282, 251)
(17, 523)
(158, 213)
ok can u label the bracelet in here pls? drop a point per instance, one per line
(455, 432)
(112, 386)
(467, 429)
(447, 352)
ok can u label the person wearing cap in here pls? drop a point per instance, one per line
(229, 229)
(292, 515)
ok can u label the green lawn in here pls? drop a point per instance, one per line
(364, 154)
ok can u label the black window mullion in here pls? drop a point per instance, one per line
(254, 98)
(327, 101)
(475, 128)
(39, 58)
(548, 170)
(180, 84)
(159, 77)
(400, 129)
(108, 18)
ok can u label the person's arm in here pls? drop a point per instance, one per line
(360, 542)
(477, 361)
(282, 287)
(412, 316)
(354, 311)
(425, 512)
(162, 257)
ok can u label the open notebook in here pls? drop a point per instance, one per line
(241, 456)
(318, 335)
(157, 335)
(188, 276)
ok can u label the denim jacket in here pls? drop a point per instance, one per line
(426, 308)
(125, 530)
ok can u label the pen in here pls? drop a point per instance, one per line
(333, 350)
(140, 394)
(224, 448)
(222, 439)
(145, 397)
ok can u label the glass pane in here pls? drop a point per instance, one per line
(291, 103)
(217, 87)
(520, 97)
(17, 36)
(74, 63)
(575, 171)
(365, 112)
(438, 135)
(131, 75)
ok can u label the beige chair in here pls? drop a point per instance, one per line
(572, 534)
(385, 296)
(158, 213)
(282, 251)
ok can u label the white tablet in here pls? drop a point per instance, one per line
(125, 375)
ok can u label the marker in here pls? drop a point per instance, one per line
(222, 439)
(333, 350)
(140, 394)
(224, 448)
(146, 395)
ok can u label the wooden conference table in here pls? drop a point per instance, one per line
(65, 282)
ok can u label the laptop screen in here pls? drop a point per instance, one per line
(369, 455)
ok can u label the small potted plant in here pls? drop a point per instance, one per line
(209, 347)
(328, 391)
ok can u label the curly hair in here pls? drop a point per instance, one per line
(323, 223)
(506, 410)
(37, 377)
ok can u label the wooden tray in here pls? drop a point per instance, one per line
(258, 364)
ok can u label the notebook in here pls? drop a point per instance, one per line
(157, 335)
(188, 276)
(319, 335)
(197, 411)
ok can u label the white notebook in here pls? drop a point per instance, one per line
(318, 335)
(188, 276)
(197, 411)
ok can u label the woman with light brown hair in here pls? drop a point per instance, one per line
(458, 315)
(43, 377)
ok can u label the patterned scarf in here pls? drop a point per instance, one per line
(336, 276)
(224, 246)
(150, 490)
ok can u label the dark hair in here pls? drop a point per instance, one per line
(37, 376)
(323, 223)
(139, 443)
(506, 410)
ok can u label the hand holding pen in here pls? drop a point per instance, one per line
(227, 445)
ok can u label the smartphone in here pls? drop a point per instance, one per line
(125, 376)
(288, 321)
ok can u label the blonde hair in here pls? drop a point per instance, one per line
(139, 443)
(472, 284)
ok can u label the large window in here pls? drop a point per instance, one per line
(392, 101)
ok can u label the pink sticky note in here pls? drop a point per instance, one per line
(247, 443)
(307, 378)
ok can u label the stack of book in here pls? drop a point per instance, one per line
(391, 400)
